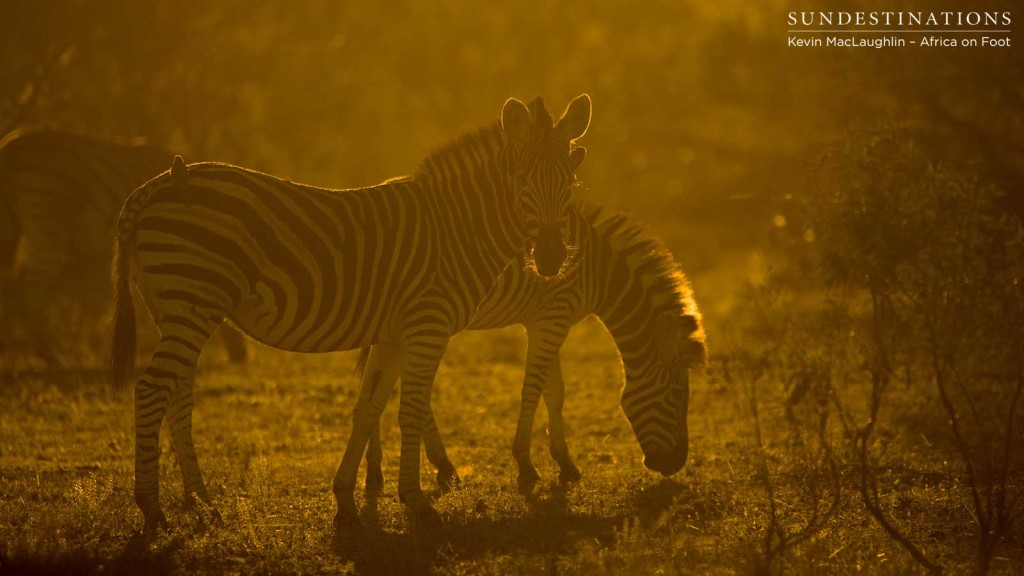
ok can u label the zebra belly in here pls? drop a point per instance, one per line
(253, 316)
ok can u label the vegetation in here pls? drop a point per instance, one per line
(271, 435)
(851, 221)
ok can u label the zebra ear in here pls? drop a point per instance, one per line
(516, 120)
(574, 122)
(576, 157)
(666, 335)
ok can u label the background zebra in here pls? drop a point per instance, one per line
(403, 264)
(629, 281)
(59, 199)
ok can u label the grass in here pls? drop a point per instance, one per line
(270, 435)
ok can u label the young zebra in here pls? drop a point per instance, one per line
(402, 264)
(632, 284)
(60, 195)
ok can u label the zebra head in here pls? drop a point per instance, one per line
(544, 159)
(657, 393)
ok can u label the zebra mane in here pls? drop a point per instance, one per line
(460, 148)
(541, 117)
(646, 255)
(491, 133)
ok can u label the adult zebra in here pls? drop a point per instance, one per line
(633, 285)
(402, 264)
(60, 195)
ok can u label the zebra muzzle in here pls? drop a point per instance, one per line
(670, 461)
(549, 251)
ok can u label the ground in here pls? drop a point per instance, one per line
(270, 435)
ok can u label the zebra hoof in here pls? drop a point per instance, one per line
(155, 522)
(448, 480)
(527, 480)
(347, 521)
(570, 474)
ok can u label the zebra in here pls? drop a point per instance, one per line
(626, 278)
(402, 264)
(60, 195)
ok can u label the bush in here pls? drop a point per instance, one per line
(939, 266)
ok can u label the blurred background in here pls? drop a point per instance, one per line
(850, 220)
(704, 121)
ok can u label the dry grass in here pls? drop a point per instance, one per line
(271, 433)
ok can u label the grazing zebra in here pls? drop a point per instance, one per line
(402, 264)
(60, 195)
(633, 285)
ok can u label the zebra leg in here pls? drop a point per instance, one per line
(420, 360)
(379, 379)
(179, 420)
(554, 397)
(168, 376)
(374, 458)
(543, 344)
(529, 398)
(447, 478)
(152, 394)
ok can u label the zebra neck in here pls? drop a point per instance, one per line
(633, 338)
(628, 311)
(627, 297)
(480, 216)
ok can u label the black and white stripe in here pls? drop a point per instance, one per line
(402, 264)
(633, 285)
(59, 199)
(60, 195)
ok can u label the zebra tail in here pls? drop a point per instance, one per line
(123, 342)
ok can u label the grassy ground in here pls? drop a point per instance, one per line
(271, 433)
